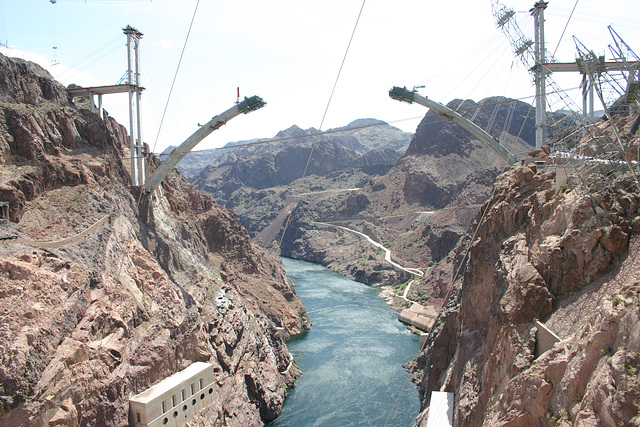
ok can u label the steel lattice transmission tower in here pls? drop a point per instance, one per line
(505, 21)
(617, 89)
(630, 70)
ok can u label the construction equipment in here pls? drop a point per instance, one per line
(244, 107)
(405, 95)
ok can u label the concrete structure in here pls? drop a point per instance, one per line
(539, 72)
(134, 88)
(176, 399)
(4, 211)
(248, 105)
(135, 92)
(441, 409)
(561, 177)
(91, 92)
(414, 319)
(419, 316)
(545, 339)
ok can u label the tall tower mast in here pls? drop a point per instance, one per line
(135, 92)
(533, 60)
(540, 72)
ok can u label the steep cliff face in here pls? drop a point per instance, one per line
(545, 252)
(106, 291)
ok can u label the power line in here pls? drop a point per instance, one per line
(175, 76)
(110, 47)
(325, 114)
(565, 28)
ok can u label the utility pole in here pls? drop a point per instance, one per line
(135, 92)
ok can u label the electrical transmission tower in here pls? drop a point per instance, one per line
(616, 88)
(627, 87)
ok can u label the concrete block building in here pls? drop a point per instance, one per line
(176, 399)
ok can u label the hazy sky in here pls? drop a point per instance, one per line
(289, 52)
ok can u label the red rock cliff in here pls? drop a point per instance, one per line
(547, 253)
(105, 292)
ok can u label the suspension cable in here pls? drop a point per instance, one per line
(326, 110)
(175, 76)
(565, 28)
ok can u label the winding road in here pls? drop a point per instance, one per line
(387, 254)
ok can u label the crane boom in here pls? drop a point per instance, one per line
(405, 95)
(244, 107)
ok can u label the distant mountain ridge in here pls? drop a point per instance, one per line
(361, 136)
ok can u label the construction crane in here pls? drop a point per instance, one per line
(244, 107)
(405, 95)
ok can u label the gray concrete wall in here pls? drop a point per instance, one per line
(545, 338)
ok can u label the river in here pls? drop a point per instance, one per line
(350, 358)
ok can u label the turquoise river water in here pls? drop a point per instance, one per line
(351, 358)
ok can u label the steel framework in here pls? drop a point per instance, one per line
(616, 84)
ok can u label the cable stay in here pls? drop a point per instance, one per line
(509, 119)
(492, 119)
(248, 105)
(405, 95)
(475, 113)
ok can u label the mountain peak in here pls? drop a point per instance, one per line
(293, 131)
(365, 122)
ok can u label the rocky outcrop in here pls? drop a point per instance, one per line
(89, 319)
(541, 252)
(38, 89)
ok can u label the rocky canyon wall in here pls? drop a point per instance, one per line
(106, 291)
(541, 251)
